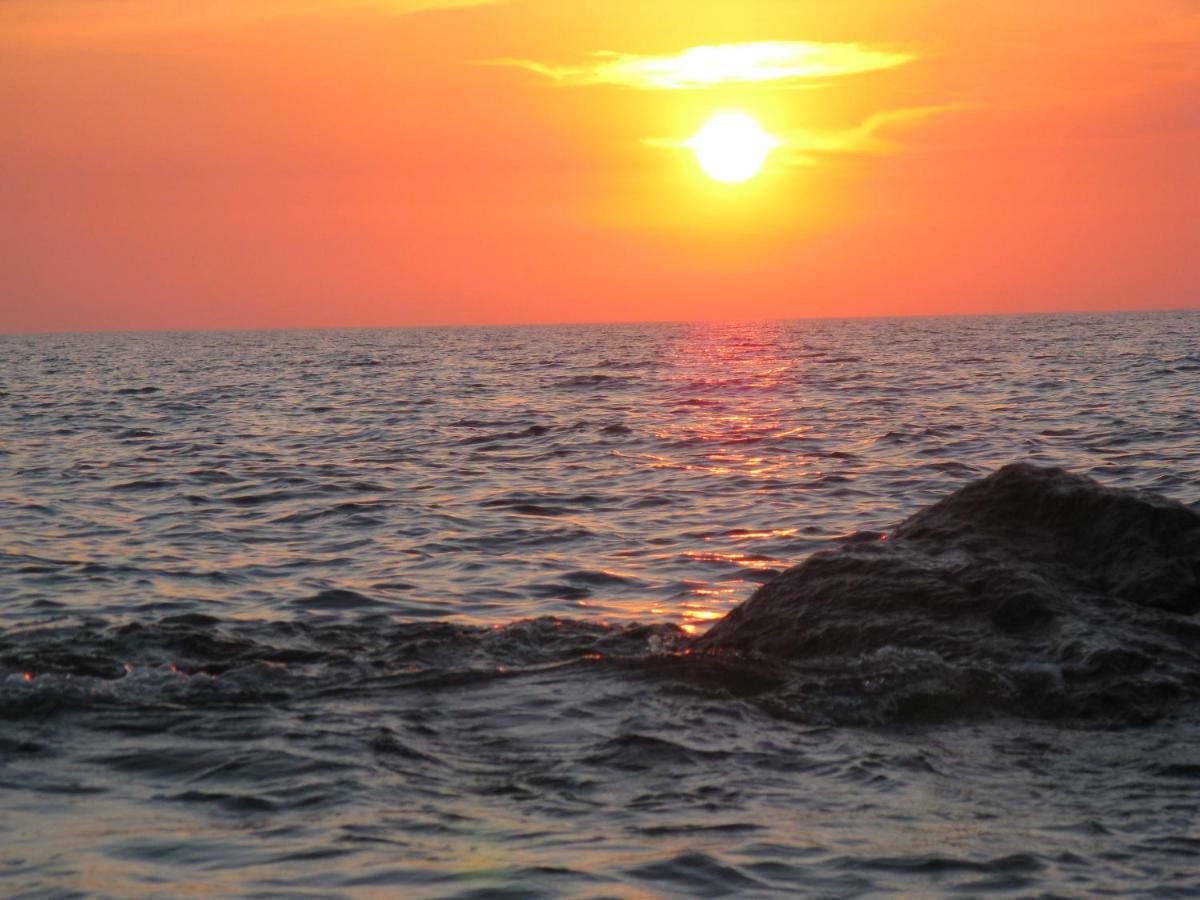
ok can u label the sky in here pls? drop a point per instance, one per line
(168, 164)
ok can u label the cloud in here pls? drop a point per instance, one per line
(810, 146)
(709, 66)
(869, 138)
(405, 7)
(83, 19)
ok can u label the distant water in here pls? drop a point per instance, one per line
(403, 612)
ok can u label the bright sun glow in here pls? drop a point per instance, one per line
(732, 147)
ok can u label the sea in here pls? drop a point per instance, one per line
(411, 612)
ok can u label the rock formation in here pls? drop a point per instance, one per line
(1032, 590)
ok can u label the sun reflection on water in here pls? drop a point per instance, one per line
(734, 427)
(743, 560)
(738, 535)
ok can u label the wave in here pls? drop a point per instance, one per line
(595, 380)
(198, 660)
(1032, 592)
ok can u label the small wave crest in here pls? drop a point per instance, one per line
(201, 660)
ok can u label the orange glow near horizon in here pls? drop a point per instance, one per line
(295, 163)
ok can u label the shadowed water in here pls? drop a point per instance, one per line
(354, 612)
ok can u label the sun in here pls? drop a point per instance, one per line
(732, 147)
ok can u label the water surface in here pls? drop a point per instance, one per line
(400, 611)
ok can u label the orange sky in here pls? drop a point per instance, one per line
(278, 163)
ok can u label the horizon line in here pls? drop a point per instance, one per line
(599, 322)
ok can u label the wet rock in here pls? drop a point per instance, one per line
(1029, 570)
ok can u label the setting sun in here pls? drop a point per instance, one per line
(732, 147)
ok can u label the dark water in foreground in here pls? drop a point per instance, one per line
(405, 612)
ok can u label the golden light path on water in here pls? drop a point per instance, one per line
(734, 376)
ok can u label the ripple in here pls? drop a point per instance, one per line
(405, 611)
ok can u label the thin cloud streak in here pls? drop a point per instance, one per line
(811, 147)
(73, 19)
(870, 138)
(709, 66)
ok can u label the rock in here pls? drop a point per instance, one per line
(1030, 590)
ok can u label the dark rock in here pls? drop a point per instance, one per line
(1033, 590)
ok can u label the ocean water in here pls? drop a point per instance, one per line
(411, 612)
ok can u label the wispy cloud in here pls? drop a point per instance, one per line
(404, 7)
(97, 18)
(714, 65)
(875, 136)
